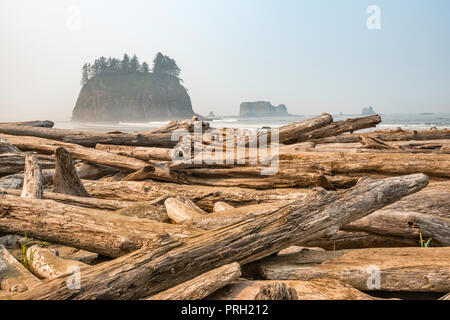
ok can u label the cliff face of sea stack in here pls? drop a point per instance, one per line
(262, 109)
(132, 97)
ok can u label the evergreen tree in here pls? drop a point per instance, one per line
(113, 65)
(165, 65)
(125, 64)
(134, 64)
(145, 68)
(159, 63)
(85, 74)
(102, 65)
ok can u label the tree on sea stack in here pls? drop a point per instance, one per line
(125, 64)
(86, 71)
(145, 68)
(134, 64)
(165, 65)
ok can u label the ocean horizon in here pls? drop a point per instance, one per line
(418, 121)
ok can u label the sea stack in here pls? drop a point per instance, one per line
(368, 111)
(262, 109)
(132, 97)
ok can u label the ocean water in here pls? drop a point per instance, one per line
(389, 121)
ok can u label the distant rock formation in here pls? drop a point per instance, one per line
(211, 115)
(132, 97)
(262, 109)
(368, 111)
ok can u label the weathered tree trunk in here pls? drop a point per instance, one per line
(98, 231)
(386, 269)
(390, 135)
(203, 285)
(426, 213)
(142, 153)
(437, 165)
(46, 265)
(204, 197)
(400, 224)
(35, 123)
(222, 206)
(358, 240)
(13, 275)
(66, 179)
(33, 183)
(90, 139)
(316, 289)
(47, 146)
(339, 127)
(299, 131)
(148, 271)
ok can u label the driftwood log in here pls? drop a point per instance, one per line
(46, 265)
(13, 275)
(387, 269)
(390, 135)
(33, 183)
(98, 231)
(46, 146)
(142, 153)
(161, 266)
(66, 179)
(203, 285)
(90, 139)
(400, 224)
(202, 196)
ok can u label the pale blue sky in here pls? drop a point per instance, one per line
(314, 56)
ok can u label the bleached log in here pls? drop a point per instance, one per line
(142, 153)
(202, 196)
(151, 270)
(46, 265)
(47, 146)
(90, 139)
(33, 184)
(436, 165)
(385, 269)
(13, 275)
(390, 135)
(203, 285)
(99, 231)
(66, 179)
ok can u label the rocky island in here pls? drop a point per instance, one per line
(368, 111)
(262, 109)
(124, 90)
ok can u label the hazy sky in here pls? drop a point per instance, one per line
(313, 56)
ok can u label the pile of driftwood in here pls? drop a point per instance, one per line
(345, 215)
